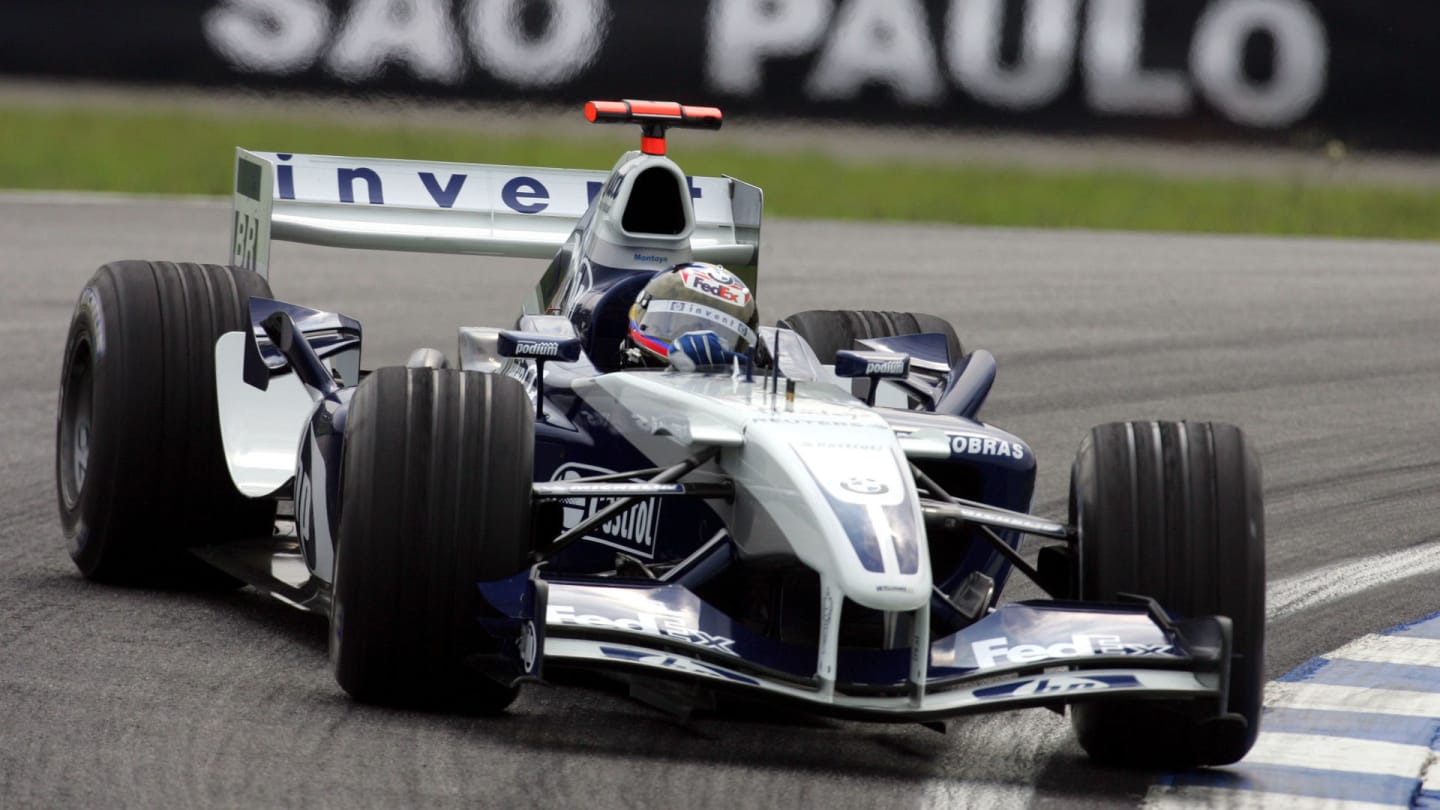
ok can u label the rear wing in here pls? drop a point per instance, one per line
(464, 208)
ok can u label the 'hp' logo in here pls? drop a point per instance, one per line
(529, 647)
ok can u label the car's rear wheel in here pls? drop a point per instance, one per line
(140, 472)
(831, 330)
(435, 497)
(1174, 511)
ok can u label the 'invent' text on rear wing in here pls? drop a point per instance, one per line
(463, 208)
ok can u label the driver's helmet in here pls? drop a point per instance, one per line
(692, 297)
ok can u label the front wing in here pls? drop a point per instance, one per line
(1022, 654)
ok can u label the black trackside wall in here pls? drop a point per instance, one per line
(1298, 71)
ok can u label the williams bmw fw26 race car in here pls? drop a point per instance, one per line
(641, 480)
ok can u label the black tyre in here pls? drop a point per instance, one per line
(831, 330)
(435, 497)
(140, 472)
(1174, 511)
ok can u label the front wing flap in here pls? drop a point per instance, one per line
(1022, 654)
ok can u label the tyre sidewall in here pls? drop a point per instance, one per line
(86, 343)
(95, 325)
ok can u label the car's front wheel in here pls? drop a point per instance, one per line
(435, 498)
(1174, 511)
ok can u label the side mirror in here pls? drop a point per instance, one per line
(538, 347)
(875, 365)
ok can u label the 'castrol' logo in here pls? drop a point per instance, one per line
(633, 531)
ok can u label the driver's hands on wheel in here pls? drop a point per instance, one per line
(701, 351)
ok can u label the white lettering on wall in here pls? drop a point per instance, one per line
(268, 36)
(843, 47)
(415, 34)
(745, 33)
(878, 41)
(1115, 82)
(570, 42)
(1297, 79)
(1047, 51)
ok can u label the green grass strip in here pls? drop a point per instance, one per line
(178, 152)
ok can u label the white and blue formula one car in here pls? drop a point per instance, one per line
(822, 521)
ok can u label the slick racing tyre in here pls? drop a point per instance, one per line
(831, 330)
(1174, 511)
(139, 468)
(435, 497)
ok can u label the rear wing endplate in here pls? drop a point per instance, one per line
(478, 209)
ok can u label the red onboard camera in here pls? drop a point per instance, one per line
(654, 117)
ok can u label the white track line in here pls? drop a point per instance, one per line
(1345, 754)
(1352, 699)
(1291, 762)
(1423, 652)
(1190, 797)
(967, 795)
(1293, 594)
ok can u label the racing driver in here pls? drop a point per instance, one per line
(692, 316)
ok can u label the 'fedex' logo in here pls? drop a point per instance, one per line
(667, 625)
(992, 652)
(716, 283)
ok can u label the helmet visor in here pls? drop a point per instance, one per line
(664, 321)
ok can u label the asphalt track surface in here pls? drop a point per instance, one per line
(1325, 351)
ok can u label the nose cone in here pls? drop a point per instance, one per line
(857, 519)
